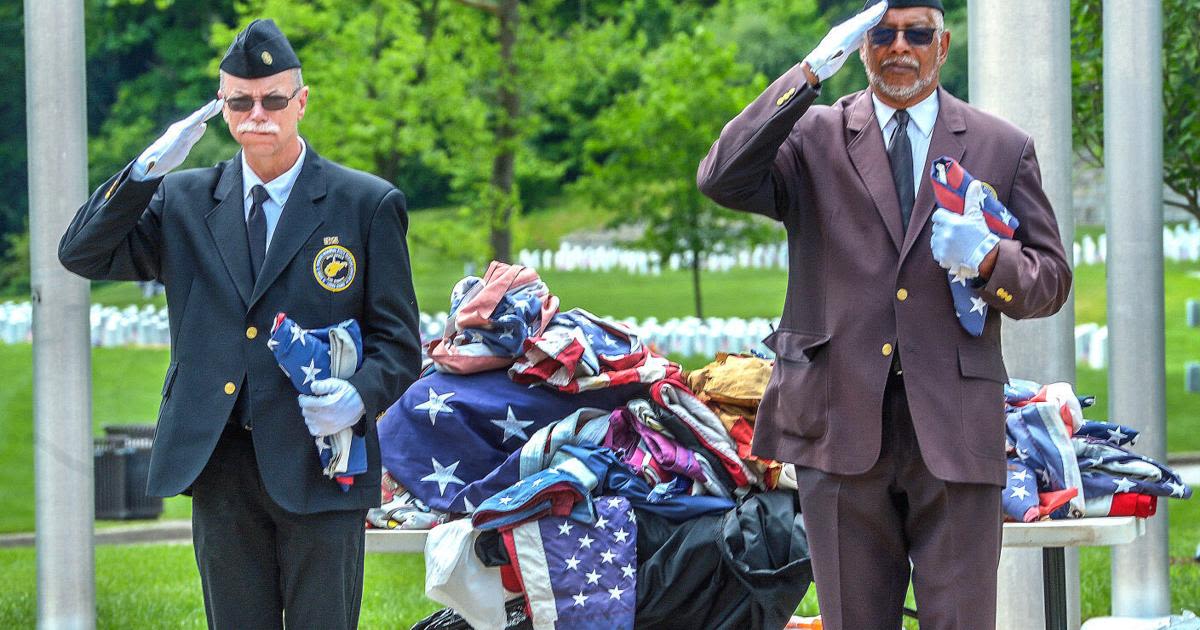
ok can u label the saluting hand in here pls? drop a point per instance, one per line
(172, 148)
(827, 58)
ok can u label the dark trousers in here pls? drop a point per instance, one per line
(262, 567)
(863, 531)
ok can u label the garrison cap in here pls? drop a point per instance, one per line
(260, 50)
(904, 4)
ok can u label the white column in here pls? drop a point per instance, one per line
(1030, 85)
(1133, 156)
(57, 129)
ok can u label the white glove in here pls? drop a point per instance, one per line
(335, 406)
(828, 57)
(172, 148)
(961, 242)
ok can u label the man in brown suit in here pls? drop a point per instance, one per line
(894, 464)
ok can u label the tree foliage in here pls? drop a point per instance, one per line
(646, 147)
(1181, 98)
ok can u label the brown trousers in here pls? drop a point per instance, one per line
(863, 530)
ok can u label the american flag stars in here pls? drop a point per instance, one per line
(592, 571)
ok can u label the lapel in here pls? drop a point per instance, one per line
(300, 218)
(945, 141)
(867, 152)
(227, 227)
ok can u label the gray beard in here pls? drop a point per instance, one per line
(897, 92)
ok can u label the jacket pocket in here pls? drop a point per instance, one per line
(982, 362)
(795, 345)
(982, 400)
(797, 396)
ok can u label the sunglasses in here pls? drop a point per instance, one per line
(885, 36)
(271, 102)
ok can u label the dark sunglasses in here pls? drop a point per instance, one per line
(271, 102)
(885, 36)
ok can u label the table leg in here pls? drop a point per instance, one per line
(1054, 583)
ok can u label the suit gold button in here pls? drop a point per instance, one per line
(902, 294)
(230, 388)
(251, 332)
(887, 350)
(785, 98)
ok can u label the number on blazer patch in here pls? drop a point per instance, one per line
(334, 268)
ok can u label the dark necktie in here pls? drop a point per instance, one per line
(900, 155)
(256, 230)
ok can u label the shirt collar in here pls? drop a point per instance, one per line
(279, 188)
(922, 114)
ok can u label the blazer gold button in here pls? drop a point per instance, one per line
(902, 294)
(785, 98)
(887, 350)
(230, 388)
(251, 332)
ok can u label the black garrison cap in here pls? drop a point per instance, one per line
(904, 4)
(260, 50)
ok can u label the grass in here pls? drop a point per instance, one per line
(163, 591)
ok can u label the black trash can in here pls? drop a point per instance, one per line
(122, 464)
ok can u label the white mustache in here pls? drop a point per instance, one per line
(253, 126)
(904, 62)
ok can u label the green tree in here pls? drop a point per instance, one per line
(14, 199)
(1181, 99)
(149, 64)
(647, 145)
(500, 198)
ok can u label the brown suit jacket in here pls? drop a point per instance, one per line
(859, 288)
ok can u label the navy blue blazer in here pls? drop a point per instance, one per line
(338, 252)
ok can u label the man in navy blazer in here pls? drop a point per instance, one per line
(275, 229)
(892, 412)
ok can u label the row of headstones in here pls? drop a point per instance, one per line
(571, 257)
(687, 336)
(1191, 369)
(148, 326)
(110, 326)
(1180, 243)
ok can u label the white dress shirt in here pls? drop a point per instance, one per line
(278, 190)
(920, 129)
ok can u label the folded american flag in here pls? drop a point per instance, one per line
(449, 430)
(311, 355)
(950, 181)
(490, 319)
(576, 575)
(579, 352)
(1041, 441)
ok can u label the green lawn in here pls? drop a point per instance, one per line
(157, 586)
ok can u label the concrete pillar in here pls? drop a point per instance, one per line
(1133, 154)
(1030, 85)
(57, 130)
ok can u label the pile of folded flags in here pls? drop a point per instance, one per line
(1062, 466)
(571, 477)
(562, 463)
